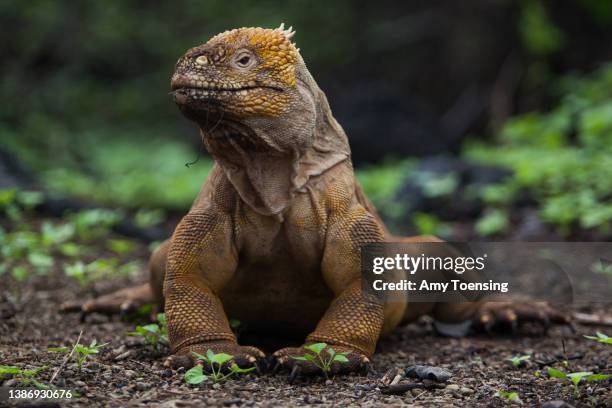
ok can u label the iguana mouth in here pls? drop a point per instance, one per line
(208, 92)
(202, 88)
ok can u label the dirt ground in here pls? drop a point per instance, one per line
(126, 373)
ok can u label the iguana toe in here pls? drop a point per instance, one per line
(243, 356)
(285, 360)
(510, 314)
(119, 302)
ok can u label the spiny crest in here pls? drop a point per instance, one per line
(273, 39)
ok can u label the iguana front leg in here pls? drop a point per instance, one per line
(201, 260)
(353, 321)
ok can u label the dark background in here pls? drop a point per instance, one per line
(448, 105)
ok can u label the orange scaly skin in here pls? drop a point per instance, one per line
(274, 237)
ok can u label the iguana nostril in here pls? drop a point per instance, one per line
(202, 60)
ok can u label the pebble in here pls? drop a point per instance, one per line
(452, 387)
(79, 383)
(130, 374)
(557, 404)
(230, 402)
(141, 386)
(329, 382)
(211, 401)
(466, 391)
(11, 383)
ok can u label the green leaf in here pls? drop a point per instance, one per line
(578, 376)
(299, 358)
(200, 356)
(331, 351)
(509, 396)
(493, 222)
(598, 377)
(121, 246)
(161, 318)
(221, 358)
(4, 369)
(210, 355)
(151, 328)
(602, 338)
(40, 261)
(235, 369)
(20, 273)
(316, 347)
(340, 358)
(553, 372)
(39, 385)
(195, 375)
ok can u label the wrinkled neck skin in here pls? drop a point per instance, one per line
(268, 159)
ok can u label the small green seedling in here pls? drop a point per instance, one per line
(26, 377)
(519, 361)
(577, 377)
(602, 338)
(510, 397)
(196, 374)
(83, 352)
(319, 360)
(155, 334)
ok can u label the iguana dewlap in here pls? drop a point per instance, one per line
(273, 238)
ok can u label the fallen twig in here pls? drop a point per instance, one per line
(592, 319)
(66, 359)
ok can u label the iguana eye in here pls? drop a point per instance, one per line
(244, 60)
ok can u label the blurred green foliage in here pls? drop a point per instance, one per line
(562, 157)
(86, 108)
(39, 246)
(130, 175)
(382, 182)
(539, 34)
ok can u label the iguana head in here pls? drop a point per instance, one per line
(241, 74)
(261, 114)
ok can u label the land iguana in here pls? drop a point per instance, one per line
(273, 238)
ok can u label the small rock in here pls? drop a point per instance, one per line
(79, 383)
(141, 386)
(466, 391)
(364, 387)
(11, 383)
(428, 372)
(557, 404)
(329, 382)
(123, 356)
(130, 374)
(230, 402)
(216, 386)
(452, 387)
(166, 373)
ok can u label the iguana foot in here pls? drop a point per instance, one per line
(510, 314)
(121, 301)
(284, 360)
(243, 356)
